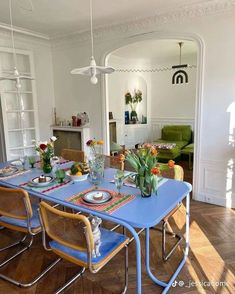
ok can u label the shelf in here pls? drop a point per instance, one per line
(20, 130)
(10, 71)
(21, 147)
(17, 92)
(16, 111)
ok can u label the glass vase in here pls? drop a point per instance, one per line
(96, 166)
(46, 165)
(147, 185)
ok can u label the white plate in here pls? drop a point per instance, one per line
(35, 182)
(90, 197)
(8, 171)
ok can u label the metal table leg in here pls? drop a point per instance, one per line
(181, 264)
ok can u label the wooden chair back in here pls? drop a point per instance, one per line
(71, 230)
(73, 154)
(176, 172)
(15, 203)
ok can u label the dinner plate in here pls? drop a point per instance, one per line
(35, 182)
(90, 197)
(8, 171)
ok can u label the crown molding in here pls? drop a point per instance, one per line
(144, 25)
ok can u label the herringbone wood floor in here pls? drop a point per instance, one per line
(211, 259)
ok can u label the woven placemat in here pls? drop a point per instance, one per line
(46, 190)
(19, 173)
(116, 202)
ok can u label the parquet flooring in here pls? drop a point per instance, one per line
(211, 259)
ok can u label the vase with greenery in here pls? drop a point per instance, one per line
(145, 163)
(133, 101)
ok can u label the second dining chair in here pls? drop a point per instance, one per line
(73, 154)
(71, 238)
(17, 214)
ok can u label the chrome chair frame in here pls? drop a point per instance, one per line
(31, 234)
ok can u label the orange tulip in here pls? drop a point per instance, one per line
(100, 142)
(153, 151)
(171, 163)
(155, 171)
(122, 157)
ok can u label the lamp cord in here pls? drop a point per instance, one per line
(12, 34)
(91, 24)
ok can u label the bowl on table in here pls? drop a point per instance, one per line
(77, 178)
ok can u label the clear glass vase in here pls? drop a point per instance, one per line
(96, 174)
(147, 185)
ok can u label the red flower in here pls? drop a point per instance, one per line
(89, 143)
(43, 146)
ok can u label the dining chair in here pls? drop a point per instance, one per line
(73, 154)
(71, 238)
(17, 214)
(176, 173)
(114, 162)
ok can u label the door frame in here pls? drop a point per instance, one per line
(199, 94)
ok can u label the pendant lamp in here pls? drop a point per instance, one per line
(180, 76)
(92, 70)
(15, 76)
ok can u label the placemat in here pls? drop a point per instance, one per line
(19, 173)
(46, 190)
(110, 207)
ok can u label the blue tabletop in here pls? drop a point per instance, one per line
(140, 212)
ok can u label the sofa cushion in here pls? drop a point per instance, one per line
(185, 130)
(171, 135)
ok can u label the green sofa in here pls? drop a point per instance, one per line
(173, 139)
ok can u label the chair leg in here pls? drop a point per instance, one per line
(165, 255)
(126, 269)
(18, 252)
(38, 277)
(70, 281)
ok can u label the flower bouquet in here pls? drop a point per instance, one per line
(46, 152)
(144, 162)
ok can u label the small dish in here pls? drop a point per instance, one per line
(97, 197)
(35, 182)
(8, 171)
(77, 178)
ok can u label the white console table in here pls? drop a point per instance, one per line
(68, 131)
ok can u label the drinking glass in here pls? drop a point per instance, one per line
(118, 178)
(32, 161)
(23, 161)
(60, 174)
(96, 174)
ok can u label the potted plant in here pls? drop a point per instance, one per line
(133, 100)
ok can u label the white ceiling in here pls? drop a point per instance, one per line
(61, 17)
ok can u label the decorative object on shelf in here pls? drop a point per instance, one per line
(92, 70)
(127, 117)
(180, 76)
(133, 101)
(46, 152)
(144, 161)
(83, 118)
(96, 161)
(110, 115)
(15, 76)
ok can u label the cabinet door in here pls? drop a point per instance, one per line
(19, 109)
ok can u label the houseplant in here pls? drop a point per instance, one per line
(46, 152)
(144, 162)
(133, 100)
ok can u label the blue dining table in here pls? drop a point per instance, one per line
(142, 213)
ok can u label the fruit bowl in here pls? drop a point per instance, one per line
(77, 178)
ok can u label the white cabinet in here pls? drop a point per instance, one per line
(136, 133)
(19, 108)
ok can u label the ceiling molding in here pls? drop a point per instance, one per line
(141, 26)
(24, 31)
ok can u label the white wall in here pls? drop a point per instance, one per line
(214, 180)
(42, 56)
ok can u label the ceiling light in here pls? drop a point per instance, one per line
(15, 76)
(92, 70)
